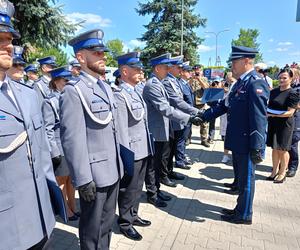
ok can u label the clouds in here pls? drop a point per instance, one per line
(203, 48)
(279, 49)
(271, 40)
(284, 46)
(136, 43)
(132, 44)
(88, 19)
(285, 43)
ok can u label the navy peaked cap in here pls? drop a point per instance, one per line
(18, 56)
(32, 68)
(131, 59)
(162, 59)
(242, 52)
(7, 10)
(50, 60)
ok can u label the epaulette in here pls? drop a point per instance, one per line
(25, 85)
(73, 82)
(116, 88)
(50, 96)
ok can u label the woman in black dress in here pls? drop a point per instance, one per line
(280, 127)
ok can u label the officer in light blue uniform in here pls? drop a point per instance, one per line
(175, 92)
(246, 107)
(75, 67)
(42, 85)
(90, 139)
(26, 215)
(50, 110)
(16, 72)
(160, 113)
(32, 74)
(135, 136)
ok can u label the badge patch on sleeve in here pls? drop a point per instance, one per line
(259, 91)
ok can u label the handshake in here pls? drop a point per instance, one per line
(198, 118)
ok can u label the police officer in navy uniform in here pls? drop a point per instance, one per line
(42, 85)
(246, 108)
(26, 215)
(16, 72)
(32, 74)
(189, 97)
(160, 113)
(90, 140)
(294, 156)
(135, 136)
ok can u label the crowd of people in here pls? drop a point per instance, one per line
(70, 128)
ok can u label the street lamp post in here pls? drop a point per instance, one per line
(216, 34)
(182, 8)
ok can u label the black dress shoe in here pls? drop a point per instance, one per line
(183, 167)
(271, 178)
(163, 196)
(73, 218)
(176, 176)
(157, 202)
(188, 162)
(166, 181)
(228, 211)
(279, 181)
(131, 233)
(234, 220)
(229, 185)
(141, 223)
(205, 144)
(290, 173)
(232, 191)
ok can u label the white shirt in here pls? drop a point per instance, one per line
(47, 78)
(90, 77)
(9, 91)
(246, 73)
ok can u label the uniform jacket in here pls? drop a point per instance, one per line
(175, 92)
(246, 107)
(187, 92)
(42, 88)
(91, 149)
(160, 112)
(134, 133)
(50, 111)
(20, 181)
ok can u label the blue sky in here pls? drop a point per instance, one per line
(276, 21)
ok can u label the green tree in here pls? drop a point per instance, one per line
(116, 48)
(41, 23)
(248, 38)
(164, 30)
(32, 54)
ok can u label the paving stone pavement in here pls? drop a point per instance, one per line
(192, 218)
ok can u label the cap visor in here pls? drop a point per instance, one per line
(98, 48)
(8, 29)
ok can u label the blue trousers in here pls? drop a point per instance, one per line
(246, 184)
(180, 137)
(294, 157)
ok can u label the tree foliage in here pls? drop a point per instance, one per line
(41, 23)
(32, 54)
(116, 48)
(164, 30)
(248, 38)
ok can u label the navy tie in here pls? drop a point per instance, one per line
(101, 84)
